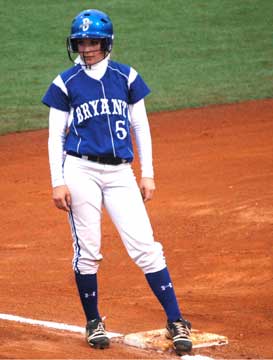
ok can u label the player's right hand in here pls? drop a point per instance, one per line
(61, 197)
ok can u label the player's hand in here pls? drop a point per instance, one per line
(147, 188)
(61, 197)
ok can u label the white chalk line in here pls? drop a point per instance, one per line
(78, 329)
(51, 324)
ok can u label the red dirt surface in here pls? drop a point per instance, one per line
(212, 211)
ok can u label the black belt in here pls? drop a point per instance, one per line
(108, 160)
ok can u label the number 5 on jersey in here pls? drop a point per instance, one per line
(120, 129)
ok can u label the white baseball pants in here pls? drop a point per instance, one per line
(94, 185)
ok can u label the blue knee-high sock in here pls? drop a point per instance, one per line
(88, 291)
(161, 284)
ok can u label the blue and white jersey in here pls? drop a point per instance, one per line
(100, 123)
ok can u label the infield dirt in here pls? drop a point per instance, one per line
(212, 211)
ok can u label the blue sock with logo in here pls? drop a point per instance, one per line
(88, 291)
(161, 284)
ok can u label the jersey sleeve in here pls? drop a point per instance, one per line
(138, 89)
(56, 96)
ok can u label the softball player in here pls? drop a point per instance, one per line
(94, 107)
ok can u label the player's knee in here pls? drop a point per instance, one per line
(151, 260)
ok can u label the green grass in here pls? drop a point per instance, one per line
(191, 53)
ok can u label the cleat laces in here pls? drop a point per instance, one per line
(181, 331)
(98, 332)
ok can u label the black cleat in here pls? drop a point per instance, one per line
(180, 331)
(96, 335)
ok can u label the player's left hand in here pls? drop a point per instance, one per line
(62, 197)
(147, 188)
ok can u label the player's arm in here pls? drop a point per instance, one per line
(58, 121)
(141, 130)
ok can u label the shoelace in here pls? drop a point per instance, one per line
(182, 330)
(100, 327)
(99, 331)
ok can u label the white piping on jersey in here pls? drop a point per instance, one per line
(75, 127)
(78, 146)
(72, 76)
(108, 119)
(110, 67)
(130, 151)
(76, 132)
(132, 75)
(70, 117)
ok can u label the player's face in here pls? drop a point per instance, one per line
(90, 51)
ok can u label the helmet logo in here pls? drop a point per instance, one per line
(85, 24)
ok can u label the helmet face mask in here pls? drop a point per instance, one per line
(91, 24)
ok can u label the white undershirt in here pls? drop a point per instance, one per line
(59, 122)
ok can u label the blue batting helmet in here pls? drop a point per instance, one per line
(92, 24)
